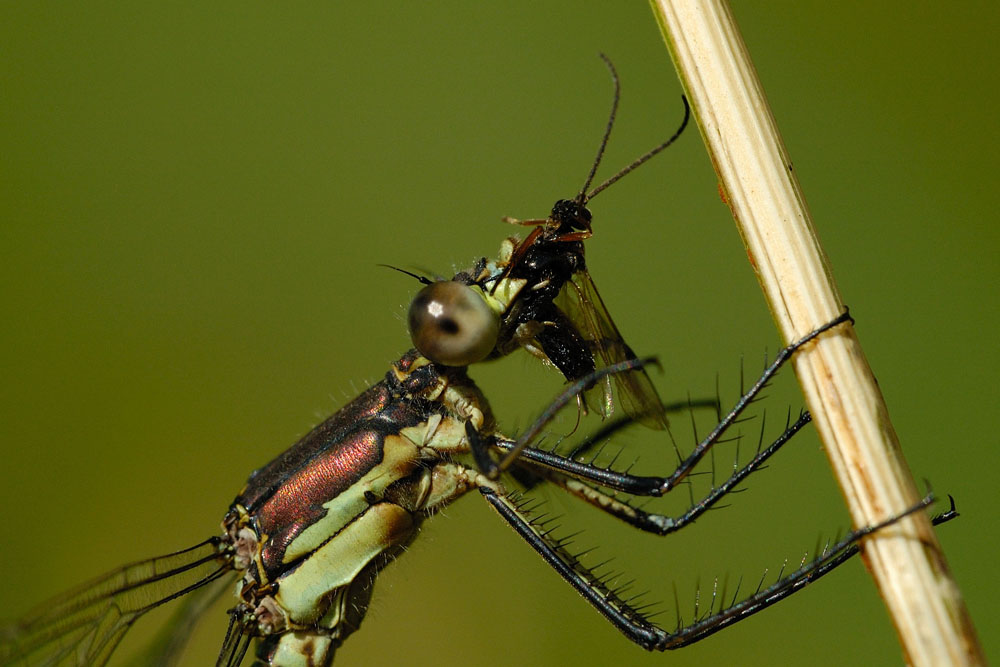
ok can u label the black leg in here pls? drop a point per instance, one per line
(481, 451)
(574, 390)
(729, 419)
(821, 565)
(526, 476)
(637, 485)
(603, 598)
(641, 485)
(631, 621)
(567, 474)
(617, 424)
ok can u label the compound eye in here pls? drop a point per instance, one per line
(451, 324)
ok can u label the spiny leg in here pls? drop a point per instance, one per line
(568, 475)
(631, 621)
(526, 475)
(824, 563)
(613, 426)
(625, 482)
(593, 589)
(636, 485)
(744, 401)
(480, 443)
(644, 485)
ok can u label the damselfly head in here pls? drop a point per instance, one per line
(453, 324)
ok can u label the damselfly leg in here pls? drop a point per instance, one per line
(561, 469)
(631, 622)
(600, 487)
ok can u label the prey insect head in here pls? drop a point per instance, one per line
(571, 215)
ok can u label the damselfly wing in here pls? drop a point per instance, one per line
(84, 627)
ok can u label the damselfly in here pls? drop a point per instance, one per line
(311, 530)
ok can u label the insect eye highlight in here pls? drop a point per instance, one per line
(451, 324)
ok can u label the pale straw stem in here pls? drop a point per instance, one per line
(755, 171)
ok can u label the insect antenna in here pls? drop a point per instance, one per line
(645, 157)
(583, 197)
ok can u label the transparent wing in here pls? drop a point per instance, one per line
(83, 627)
(167, 647)
(582, 304)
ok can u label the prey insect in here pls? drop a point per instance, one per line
(307, 536)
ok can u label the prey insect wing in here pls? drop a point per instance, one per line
(84, 627)
(167, 648)
(582, 303)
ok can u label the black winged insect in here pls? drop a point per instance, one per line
(306, 537)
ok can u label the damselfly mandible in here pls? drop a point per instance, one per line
(310, 531)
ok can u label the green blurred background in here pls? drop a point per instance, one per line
(194, 199)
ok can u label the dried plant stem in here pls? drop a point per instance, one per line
(905, 560)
